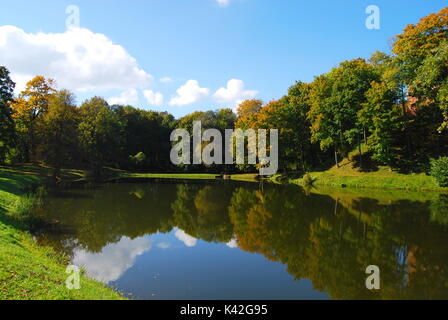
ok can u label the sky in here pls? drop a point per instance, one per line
(182, 56)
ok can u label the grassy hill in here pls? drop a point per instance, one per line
(352, 174)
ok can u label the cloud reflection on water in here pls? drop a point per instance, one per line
(114, 259)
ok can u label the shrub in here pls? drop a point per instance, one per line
(439, 170)
(138, 159)
(308, 181)
(25, 206)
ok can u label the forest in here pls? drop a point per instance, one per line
(392, 108)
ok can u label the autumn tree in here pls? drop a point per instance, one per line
(421, 52)
(249, 106)
(29, 109)
(6, 122)
(418, 40)
(431, 81)
(60, 130)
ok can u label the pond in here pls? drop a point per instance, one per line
(234, 240)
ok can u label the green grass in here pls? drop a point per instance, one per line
(383, 196)
(29, 271)
(380, 178)
(185, 176)
(250, 177)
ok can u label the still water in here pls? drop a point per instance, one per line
(232, 240)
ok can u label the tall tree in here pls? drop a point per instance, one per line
(418, 40)
(146, 132)
(59, 131)
(101, 134)
(29, 109)
(420, 50)
(249, 106)
(6, 122)
(386, 121)
(383, 113)
(336, 99)
(296, 150)
(289, 116)
(430, 85)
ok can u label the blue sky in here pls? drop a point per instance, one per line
(263, 45)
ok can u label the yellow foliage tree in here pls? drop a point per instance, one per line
(28, 110)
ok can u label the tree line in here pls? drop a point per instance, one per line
(391, 108)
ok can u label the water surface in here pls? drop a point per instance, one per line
(229, 240)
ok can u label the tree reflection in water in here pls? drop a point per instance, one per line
(329, 239)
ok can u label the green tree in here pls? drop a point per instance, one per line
(416, 41)
(101, 134)
(296, 150)
(147, 132)
(6, 122)
(385, 115)
(421, 52)
(225, 119)
(336, 99)
(382, 115)
(60, 131)
(220, 120)
(430, 85)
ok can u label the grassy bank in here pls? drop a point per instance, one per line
(381, 178)
(28, 271)
(188, 176)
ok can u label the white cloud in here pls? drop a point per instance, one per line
(232, 244)
(153, 98)
(21, 81)
(223, 3)
(163, 245)
(77, 59)
(165, 80)
(127, 97)
(114, 259)
(188, 240)
(234, 94)
(189, 93)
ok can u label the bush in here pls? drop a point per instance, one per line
(138, 159)
(308, 181)
(25, 206)
(439, 170)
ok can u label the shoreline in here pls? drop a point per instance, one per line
(373, 181)
(30, 271)
(46, 275)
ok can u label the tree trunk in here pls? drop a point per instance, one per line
(360, 151)
(336, 158)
